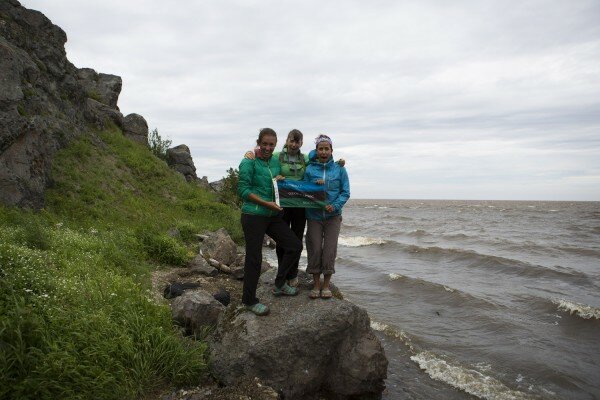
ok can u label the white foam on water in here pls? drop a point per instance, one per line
(580, 310)
(358, 241)
(391, 332)
(447, 289)
(378, 326)
(469, 380)
(395, 277)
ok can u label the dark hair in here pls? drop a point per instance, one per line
(265, 132)
(296, 135)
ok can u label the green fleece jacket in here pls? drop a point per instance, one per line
(256, 176)
(293, 171)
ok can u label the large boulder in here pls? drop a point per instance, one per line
(217, 186)
(196, 310)
(103, 115)
(219, 246)
(104, 88)
(180, 159)
(200, 266)
(303, 348)
(135, 128)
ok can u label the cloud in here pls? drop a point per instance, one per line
(443, 100)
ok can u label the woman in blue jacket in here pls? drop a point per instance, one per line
(324, 224)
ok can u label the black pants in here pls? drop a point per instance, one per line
(255, 227)
(296, 219)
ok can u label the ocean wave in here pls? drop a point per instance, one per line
(580, 310)
(393, 333)
(418, 233)
(359, 241)
(469, 380)
(396, 277)
(501, 264)
(453, 297)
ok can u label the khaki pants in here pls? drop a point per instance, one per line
(321, 245)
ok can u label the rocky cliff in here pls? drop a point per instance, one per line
(45, 102)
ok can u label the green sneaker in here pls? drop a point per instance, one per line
(258, 309)
(285, 290)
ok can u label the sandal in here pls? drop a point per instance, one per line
(314, 294)
(285, 290)
(258, 309)
(326, 294)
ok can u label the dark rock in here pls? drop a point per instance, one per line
(264, 266)
(246, 389)
(180, 159)
(177, 289)
(223, 297)
(196, 311)
(135, 128)
(304, 348)
(45, 102)
(104, 88)
(239, 261)
(237, 271)
(218, 185)
(220, 247)
(203, 182)
(201, 266)
(269, 242)
(103, 115)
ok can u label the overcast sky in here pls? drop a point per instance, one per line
(424, 99)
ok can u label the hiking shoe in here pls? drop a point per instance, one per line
(293, 282)
(285, 290)
(258, 309)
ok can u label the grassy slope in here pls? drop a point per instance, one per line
(76, 318)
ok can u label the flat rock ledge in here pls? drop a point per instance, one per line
(304, 349)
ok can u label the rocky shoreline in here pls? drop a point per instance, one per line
(305, 349)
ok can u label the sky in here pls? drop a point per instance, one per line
(430, 99)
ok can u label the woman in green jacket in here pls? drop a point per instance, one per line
(260, 215)
(293, 164)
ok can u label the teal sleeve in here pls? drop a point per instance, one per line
(246, 174)
(344, 194)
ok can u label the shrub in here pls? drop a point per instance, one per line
(158, 145)
(229, 193)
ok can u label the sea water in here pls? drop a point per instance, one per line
(478, 299)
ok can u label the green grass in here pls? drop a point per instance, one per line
(76, 316)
